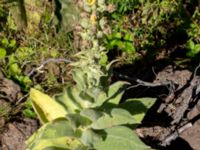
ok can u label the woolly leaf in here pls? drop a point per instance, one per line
(46, 108)
(120, 138)
(138, 107)
(116, 117)
(57, 133)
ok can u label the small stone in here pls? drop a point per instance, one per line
(2, 122)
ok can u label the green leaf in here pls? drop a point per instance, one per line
(26, 80)
(71, 100)
(11, 24)
(80, 78)
(115, 91)
(23, 53)
(12, 59)
(46, 108)
(2, 52)
(29, 113)
(128, 37)
(113, 43)
(112, 95)
(14, 69)
(89, 137)
(193, 49)
(117, 35)
(91, 114)
(116, 117)
(57, 133)
(12, 43)
(4, 42)
(120, 138)
(103, 59)
(197, 48)
(138, 107)
(129, 47)
(76, 120)
(121, 45)
(190, 45)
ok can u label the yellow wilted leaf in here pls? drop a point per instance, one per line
(46, 108)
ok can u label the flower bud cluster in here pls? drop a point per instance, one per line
(92, 24)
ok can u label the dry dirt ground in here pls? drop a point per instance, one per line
(187, 130)
(14, 128)
(14, 135)
(174, 120)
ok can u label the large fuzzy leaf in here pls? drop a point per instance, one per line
(91, 114)
(120, 138)
(138, 107)
(116, 117)
(80, 78)
(46, 108)
(70, 99)
(89, 137)
(57, 133)
(76, 120)
(113, 94)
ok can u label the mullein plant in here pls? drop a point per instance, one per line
(89, 115)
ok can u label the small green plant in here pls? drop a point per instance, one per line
(123, 42)
(193, 44)
(15, 57)
(6, 46)
(193, 49)
(2, 53)
(28, 110)
(125, 5)
(14, 71)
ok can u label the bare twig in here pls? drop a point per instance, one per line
(55, 60)
(179, 130)
(144, 83)
(22, 98)
(195, 71)
(176, 134)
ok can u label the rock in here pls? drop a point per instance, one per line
(17, 133)
(1, 75)
(10, 89)
(192, 136)
(5, 108)
(12, 139)
(27, 126)
(2, 122)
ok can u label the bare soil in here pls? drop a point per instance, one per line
(14, 135)
(14, 127)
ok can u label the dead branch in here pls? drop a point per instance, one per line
(42, 65)
(140, 82)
